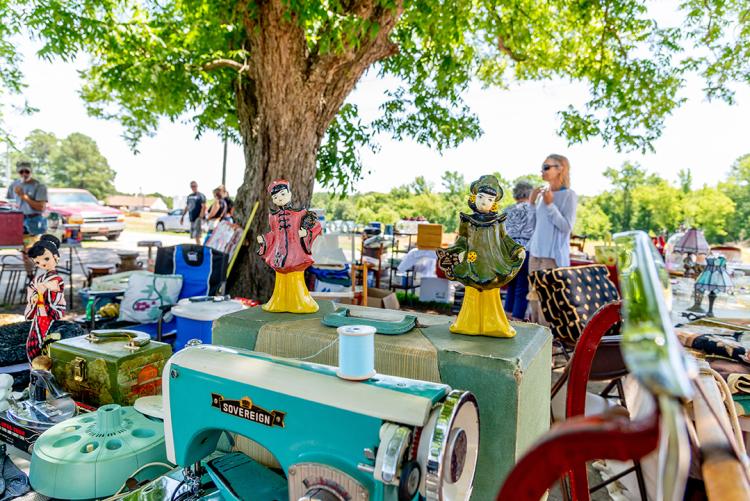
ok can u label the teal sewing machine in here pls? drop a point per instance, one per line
(385, 439)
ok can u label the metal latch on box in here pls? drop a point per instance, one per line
(79, 369)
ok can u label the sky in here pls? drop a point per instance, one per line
(519, 126)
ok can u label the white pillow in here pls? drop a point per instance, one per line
(146, 292)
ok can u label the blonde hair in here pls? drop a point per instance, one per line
(564, 169)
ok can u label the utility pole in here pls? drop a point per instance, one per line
(224, 163)
(7, 163)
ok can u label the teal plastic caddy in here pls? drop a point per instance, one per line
(510, 378)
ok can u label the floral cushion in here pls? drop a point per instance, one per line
(146, 293)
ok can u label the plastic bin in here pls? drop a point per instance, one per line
(195, 319)
(11, 227)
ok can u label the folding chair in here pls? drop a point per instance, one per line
(203, 272)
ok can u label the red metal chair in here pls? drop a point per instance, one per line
(565, 451)
(575, 442)
(606, 363)
(581, 366)
(656, 359)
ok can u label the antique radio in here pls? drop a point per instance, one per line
(386, 438)
(109, 366)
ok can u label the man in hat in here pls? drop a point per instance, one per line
(196, 211)
(31, 197)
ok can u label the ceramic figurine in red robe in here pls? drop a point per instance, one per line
(45, 297)
(287, 248)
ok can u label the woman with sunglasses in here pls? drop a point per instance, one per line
(555, 217)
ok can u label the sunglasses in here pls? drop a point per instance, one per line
(546, 167)
(24, 171)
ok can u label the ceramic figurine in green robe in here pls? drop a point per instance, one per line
(484, 258)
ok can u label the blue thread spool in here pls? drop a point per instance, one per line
(356, 352)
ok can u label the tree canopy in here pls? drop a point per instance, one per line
(276, 74)
(185, 60)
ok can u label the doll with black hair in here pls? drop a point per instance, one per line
(484, 258)
(287, 248)
(45, 298)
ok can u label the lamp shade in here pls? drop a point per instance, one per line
(693, 242)
(715, 277)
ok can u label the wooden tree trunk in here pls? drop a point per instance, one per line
(285, 148)
(286, 98)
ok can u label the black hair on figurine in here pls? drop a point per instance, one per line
(46, 242)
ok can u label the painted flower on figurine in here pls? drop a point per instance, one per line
(471, 256)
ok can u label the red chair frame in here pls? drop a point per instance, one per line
(566, 449)
(575, 442)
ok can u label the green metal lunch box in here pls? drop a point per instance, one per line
(109, 366)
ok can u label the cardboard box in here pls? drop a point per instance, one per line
(429, 236)
(21, 437)
(18, 436)
(382, 298)
(439, 290)
(377, 298)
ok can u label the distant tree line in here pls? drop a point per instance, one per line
(71, 162)
(637, 199)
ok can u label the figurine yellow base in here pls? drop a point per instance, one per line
(482, 314)
(290, 295)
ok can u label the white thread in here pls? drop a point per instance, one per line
(329, 345)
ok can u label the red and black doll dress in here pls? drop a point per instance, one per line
(42, 309)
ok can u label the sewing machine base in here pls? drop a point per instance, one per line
(236, 475)
(229, 477)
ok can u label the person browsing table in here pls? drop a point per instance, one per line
(195, 208)
(520, 221)
(555, 205)
(31, 197)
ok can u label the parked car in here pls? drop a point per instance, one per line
(81, 208)
(171, 222)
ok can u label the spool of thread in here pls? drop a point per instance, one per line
(356, 352)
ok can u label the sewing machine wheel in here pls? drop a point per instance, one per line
(449, 448)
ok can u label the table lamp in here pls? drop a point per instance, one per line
(691, 244)
(713, 279)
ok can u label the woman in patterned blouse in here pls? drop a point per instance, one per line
(519, 224)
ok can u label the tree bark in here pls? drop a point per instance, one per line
(286, 99)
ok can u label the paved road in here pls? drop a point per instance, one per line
(129, 240)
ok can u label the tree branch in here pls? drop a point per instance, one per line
(501, 45)
(225, 63)
(337, 73)
(519, 58)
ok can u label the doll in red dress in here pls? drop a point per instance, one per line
(287, 248)
(45, 298)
